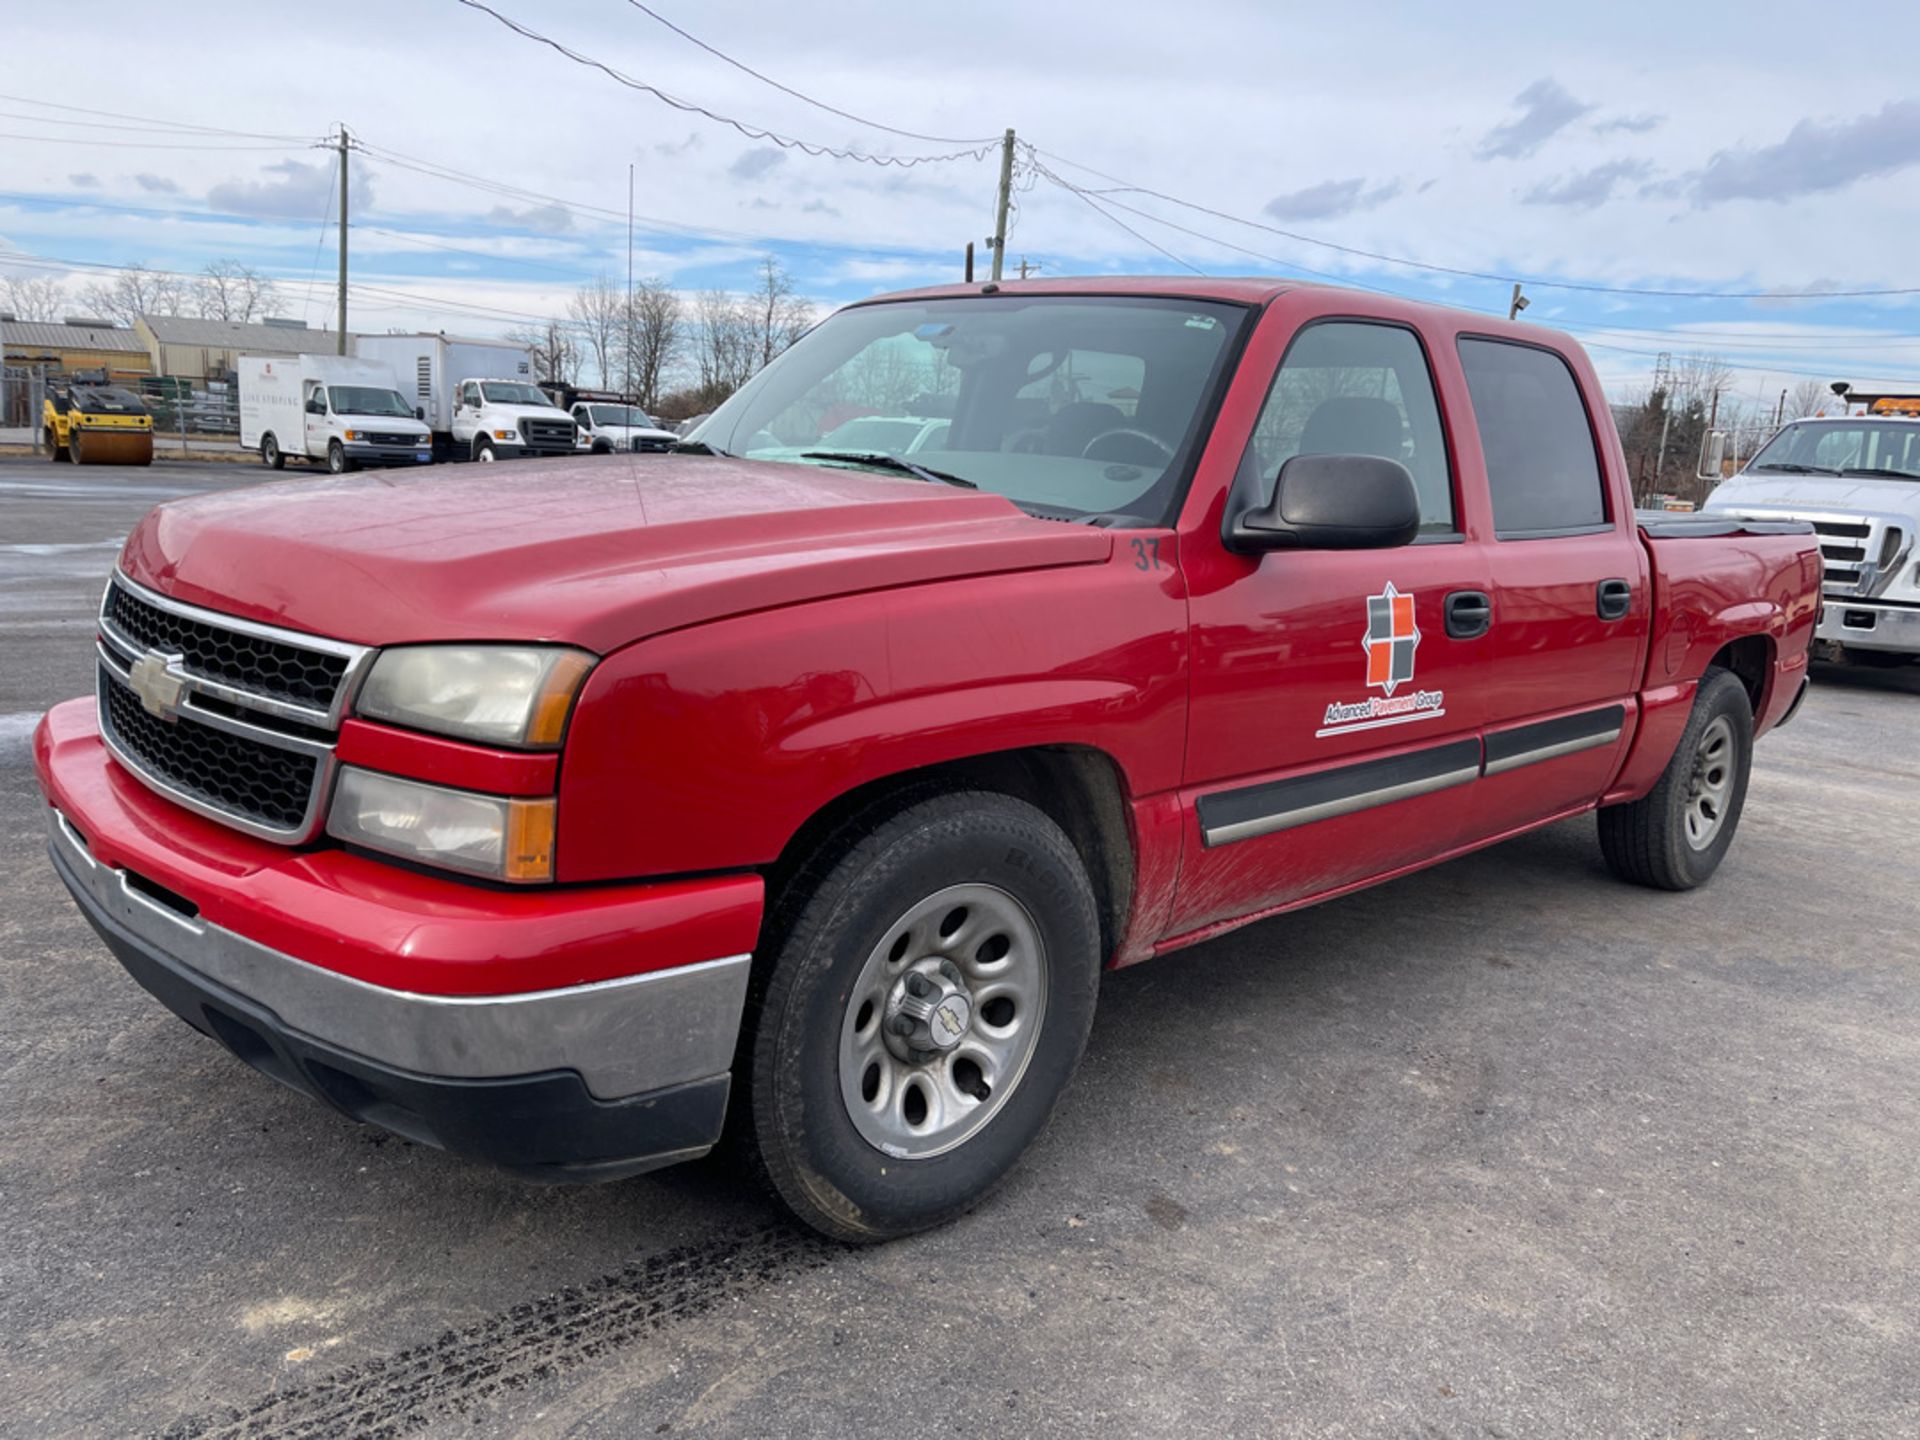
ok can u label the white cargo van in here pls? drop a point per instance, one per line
(477, 396)
(332, 410)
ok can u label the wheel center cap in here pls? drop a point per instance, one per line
(949, 1021)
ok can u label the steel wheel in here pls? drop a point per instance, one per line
(1711, 785)
(942, 1021)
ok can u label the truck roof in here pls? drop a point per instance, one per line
(1233, 289)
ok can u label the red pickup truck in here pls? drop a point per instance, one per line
(567, 818)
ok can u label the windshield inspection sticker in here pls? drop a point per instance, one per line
(1390, 640)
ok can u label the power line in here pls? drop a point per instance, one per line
(752, 132)
(104, 144)
(1533, 282)
(746, 69)
(183, 126)
(1092, 205)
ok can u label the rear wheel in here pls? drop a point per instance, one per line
(1676, 836)
(56, 452)
(931, 986)
(270, 455)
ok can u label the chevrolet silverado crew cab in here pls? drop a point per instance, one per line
(561, 825)
(1856, 480)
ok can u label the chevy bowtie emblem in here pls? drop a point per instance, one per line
(159, 689)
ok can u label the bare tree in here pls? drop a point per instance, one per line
(598, 317)
(556, 353)
(32, 297)
(135, 291)
(779, 316)
(1809, 397)
(228, 290)
(653, 338)
(726, 355)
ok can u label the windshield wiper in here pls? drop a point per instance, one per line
(1795, 469)
(694, 447)
(1881, 470)
(880, 460)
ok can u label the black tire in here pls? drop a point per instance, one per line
(337, 461)
(56, 452)
(601, 447)
(1646, 841)
(270, 455)
(830, 918)
(484, 451)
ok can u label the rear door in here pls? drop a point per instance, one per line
(1570, 589)
(1335, 721)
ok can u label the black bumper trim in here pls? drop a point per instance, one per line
(546, 1126)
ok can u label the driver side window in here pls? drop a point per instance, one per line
(470, 394)
(1349, 387)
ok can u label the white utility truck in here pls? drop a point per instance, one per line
(331, 410)
(477, 396)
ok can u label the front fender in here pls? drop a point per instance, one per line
(707, 748)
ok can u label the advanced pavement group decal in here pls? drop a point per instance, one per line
(1390, 641)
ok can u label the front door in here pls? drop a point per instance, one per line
(314, 419)
(466, 414)
(1335, 720)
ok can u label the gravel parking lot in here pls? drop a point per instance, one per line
(1505, 1149)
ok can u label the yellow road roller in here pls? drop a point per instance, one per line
(97, 425)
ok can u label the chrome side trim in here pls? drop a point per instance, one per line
(1551, 752)
(623, 1036)
(1345, 805)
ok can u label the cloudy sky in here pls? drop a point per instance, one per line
(1737, 147)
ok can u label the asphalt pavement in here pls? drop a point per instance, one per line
(1503, 1149)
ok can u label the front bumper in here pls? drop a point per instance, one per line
(364, 454)
(1869, 625)
(570, 1074)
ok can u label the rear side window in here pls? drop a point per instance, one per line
(1543, 467)
(1353, 388)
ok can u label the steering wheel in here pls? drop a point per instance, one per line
(1127, 433)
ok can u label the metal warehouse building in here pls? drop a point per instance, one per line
(76, 346)
(211, 349)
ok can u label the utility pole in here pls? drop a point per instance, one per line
(1006, 199)
(1517, 303)
(626, 310)
(340, 341)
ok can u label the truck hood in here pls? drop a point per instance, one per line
(388, 424)
(517, 413)
(574, 552)
(1806, 494)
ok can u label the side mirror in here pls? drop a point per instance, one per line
(419, 412)
(1332, 502)
(1713, 456)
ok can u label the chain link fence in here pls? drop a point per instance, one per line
(23, 388)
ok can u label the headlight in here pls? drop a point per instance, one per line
(487, 835)
(423, 439)
(514, 695)
(504, 435)
(350, 434)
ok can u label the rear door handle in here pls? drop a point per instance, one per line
(1469, 614)
(1613, 599)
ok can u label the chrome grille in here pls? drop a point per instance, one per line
(1859, 552)
(229, 718)
(548, 432)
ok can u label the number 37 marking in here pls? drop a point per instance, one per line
(1146, 554)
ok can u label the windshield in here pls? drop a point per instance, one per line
(621, 415)
(511, 392)
(1067, 405)
(1883, 447)
(108, 400)
(369, 400)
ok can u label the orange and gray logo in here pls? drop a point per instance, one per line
(1391, 639)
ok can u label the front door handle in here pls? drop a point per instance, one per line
(1469, 614)
(1613, 599)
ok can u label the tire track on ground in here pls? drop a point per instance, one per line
(463, 1370)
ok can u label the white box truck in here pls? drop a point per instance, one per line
(478, 396)
(332, 410)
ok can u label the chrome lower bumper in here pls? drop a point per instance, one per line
(1867, 625)
(622, 1037)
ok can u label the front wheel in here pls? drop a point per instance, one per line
(337, 462)
(927, 1000)
(1675, 837)
(484, 451)
(270, 455)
